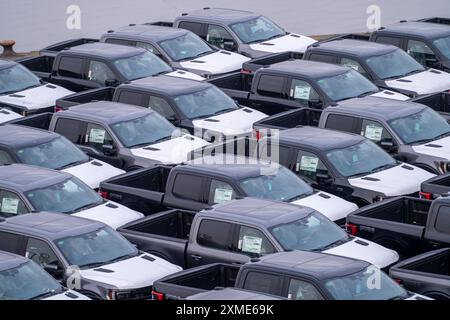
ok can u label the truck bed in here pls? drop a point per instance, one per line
(439, 102)
(41, 66)
(245, 147)
(257, 63)
(289, 119)
(196, 280)
(39, 121)
(236, 85)
(98, 94)
(434, 262)
(436, 186)
(53, 49)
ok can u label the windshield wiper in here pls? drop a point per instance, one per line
(367, 93)
(411, 72)
(224, 111)
(384, 166)
(333, 244)
(85, 207)
(47, 294)
(72, 164)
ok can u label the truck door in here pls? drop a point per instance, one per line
(270, 95)
(437, 230)
(71, 74)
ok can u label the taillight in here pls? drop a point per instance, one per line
(58, 109)
(351, 228)
(245, 71)
(103, 194)
(398, 281)
(424, 195)
(258, 135)
(157, 295)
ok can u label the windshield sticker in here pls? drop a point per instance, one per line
(373, 132)
(97, 135)
(10, 205)
(352, 65)
(222, 195)
(70, 186)
(308, 163)
(302, 92)
(251, 244)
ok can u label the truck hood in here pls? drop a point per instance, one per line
(334, 208)
(417, 296)
(185, 75)
(290, 42)
(217, 63)
(369, 251)
(113, 214)
(8, 115)
(425, 82)
(173, 151)
(36, 98)
(390, 95)
(93, 172)
(237, 122)
(387, 181)
(438, 148)
(133, 273)
(68, 295)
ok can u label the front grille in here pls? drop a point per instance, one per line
(135, 294)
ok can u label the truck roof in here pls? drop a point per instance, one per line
(360, 48)
(105, 50)
(6, 64)
(16, 136)
(23, 178)
(230, 293)
(417, 28)
(147, 32)
(318, 265)
(379, 108)
(258, 212)
(311, 69)
(226, 16)
(168, 86)
(9, 260)
(319, 139)
(106, 112)
(50, 225)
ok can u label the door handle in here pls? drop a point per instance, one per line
(196, 257)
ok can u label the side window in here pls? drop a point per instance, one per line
(309, 165)
(217, 36)
(263, 282)
(188, 187)
(322, 58)
(11, 204)
(71, 67)
(148, 47)
(253, 242)
(118, 41)
(40, 252)
(443, 220)
(71, 129)
(354, 65)
(10, 242)
(302, 290)
(161, 106)
(271, 86)
(99, 72)
(341, 123)
(389, 40)
(374, 131)
(303, 92)
(195, 27)
(215, 234)
(129, 97)
(420, 52)
(5, 158)
(220, 192)
(97, 136)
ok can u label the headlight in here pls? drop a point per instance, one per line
(443, 166)
(118, 295)
(378, 198)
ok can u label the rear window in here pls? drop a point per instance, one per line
(214, 234)
(322, 58)
(341, 123)
(129, 97)
(71, 129)
(263, 282)
(195, 27)
(388, 40)
(119, 41)
(10, 242)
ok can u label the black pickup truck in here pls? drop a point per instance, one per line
(405, 224)
(427, 274)
(295, 275)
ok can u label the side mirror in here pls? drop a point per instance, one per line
(229, 45)
(388, 145)
(109, 150)
(171, 118)
(317, 104)
(324, 179)
(54, 269)
(432, 62)
(111, 82)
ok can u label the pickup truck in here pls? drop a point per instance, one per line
(241, 229)
(89, 65)
(295, 275)
(126, 136)
(427, 274)
(406, 224)
(211, 180)
(199, 107)
(23, 93)
(277, 86)
(426, 40)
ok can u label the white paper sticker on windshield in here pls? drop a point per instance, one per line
(10, 205)
(97, 135)
(352, 65)
(251, 244)
(222, 195)
(309, 163)
(373, 132)
(302, 92)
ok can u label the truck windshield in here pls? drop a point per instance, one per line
(311, 233)
(361, 159)
(17, 78)
(281, 185)
(362, 286)
(143, 131)
(185, 47)
(421, 127)
(257, 30)
(27, 281)
(205, 103)
(58, 154)
(68, 196)
(96, 248)
(443, 45)
(395, 64)
(347, 85)
(142, 65)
